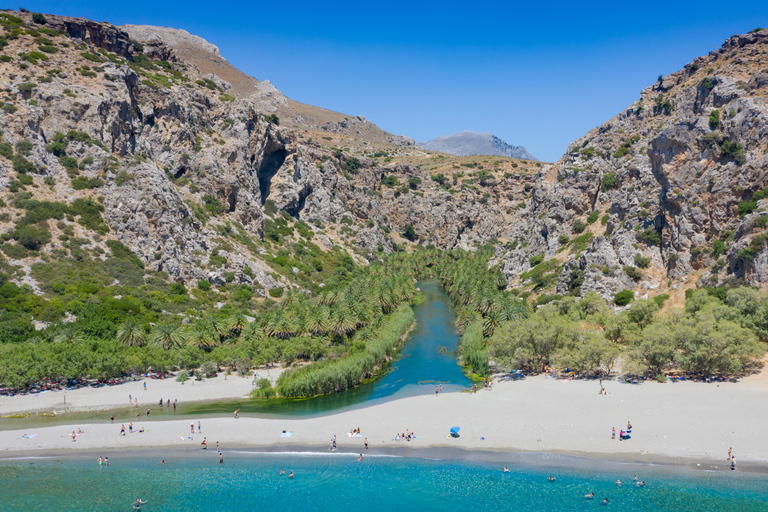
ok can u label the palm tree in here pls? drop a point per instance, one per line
(252, 332)
(131, 334)
(70, 334)
(202, 335)
(168, 336)
(237, 323)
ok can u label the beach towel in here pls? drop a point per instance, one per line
(286, 433)
(28, 436)
(354, 435)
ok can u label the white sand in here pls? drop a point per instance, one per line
(109, 397)
(687, 420)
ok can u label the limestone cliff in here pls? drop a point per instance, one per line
(200, 180)
(662, 180)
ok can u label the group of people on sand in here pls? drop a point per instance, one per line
(623, 434)
(354, 432)
(405, 436)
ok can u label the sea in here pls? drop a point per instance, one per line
(340, 482)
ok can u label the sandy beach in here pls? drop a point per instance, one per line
(110, 397)
(684, 420)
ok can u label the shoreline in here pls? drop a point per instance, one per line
(683, 422)
(511, 457)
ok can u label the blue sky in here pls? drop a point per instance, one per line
(535, 74)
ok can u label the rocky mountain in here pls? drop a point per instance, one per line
(474, 143)
(146, 146)
(666, 195)
(133, 141)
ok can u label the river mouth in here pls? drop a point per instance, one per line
(426, 360)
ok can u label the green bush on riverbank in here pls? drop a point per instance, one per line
(339, 374)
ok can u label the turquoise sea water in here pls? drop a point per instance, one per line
(338, 482)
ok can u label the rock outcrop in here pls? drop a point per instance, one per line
(663, 181)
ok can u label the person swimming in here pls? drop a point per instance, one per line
(590, 496)
(506, 469)
(282, 471)
(138, 503)
(291, 475)
(551, 478)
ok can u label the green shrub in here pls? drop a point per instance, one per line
(410, 233)
(82, 183)
(707, 84)
(633, 273)
(660, 299)
(649, 236)
(563, 239)
(610, 181)
(22, 165)
(203, 285)
(536, 259)
(623, 298)
(641, 261)
(31, 237)
(38, 18)
(593, 217)
(579, 226)
(212, 205)
(48, 48)
(91, 57)
(24, 147)
(276, 292)
(733, 150)
(264, 389)
(714, 119)
(6, 150)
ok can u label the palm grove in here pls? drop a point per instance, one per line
(350, 330)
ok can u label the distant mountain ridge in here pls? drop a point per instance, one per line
(473, 143)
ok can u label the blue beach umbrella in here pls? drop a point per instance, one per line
(455, 430)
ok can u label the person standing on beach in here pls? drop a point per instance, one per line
(130, 427)
(148, 413)
(122, 429)
(237, 412)
(436, 390)
(199, 427)
(112, 419)
(130, 399)
(218, 448)
(729, 453)
(74, 436)
(441, 388)
(366, 443)
(613, 433)
(145, 386)
(204, 444)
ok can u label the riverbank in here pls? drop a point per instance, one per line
(683, 420)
